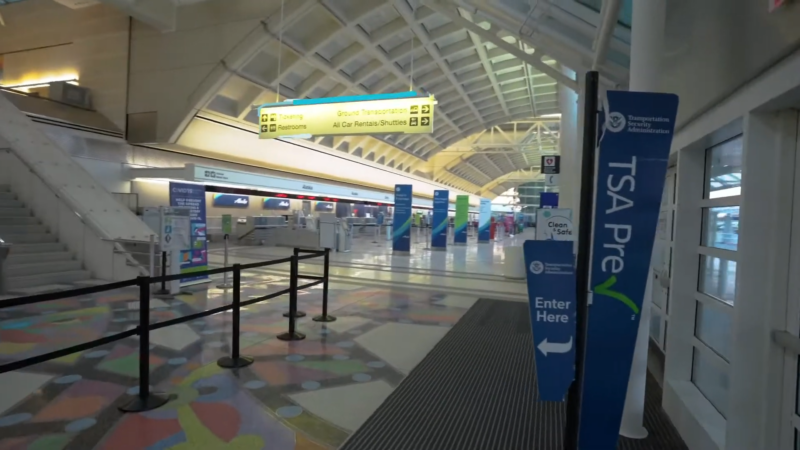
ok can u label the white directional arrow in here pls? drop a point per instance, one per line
(554, 347)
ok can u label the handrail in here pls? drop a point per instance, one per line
(146, 400)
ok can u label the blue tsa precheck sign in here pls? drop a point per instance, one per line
(551, 296)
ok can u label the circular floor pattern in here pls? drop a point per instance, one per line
(80, 425)
(362, 377)
(288, 412)
(14, 419)
(295, 358)
(310, 385)
(255, 384)
(177, 361)
(345, 344)
(68, 379)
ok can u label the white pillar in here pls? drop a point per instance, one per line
(570, 148)
(647, 43)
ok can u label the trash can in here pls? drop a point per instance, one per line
(514, 263)
(5, 249)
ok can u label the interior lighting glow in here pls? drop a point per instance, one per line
(730, 192)
(28, 83)
(550, 116)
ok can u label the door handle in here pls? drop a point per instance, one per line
(787, 340)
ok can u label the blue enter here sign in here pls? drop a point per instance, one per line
(551, 296)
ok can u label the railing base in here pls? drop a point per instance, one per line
(225, 286)
(149, 403)
(328, 318)
(228, 362)
(296, 336)
(296, 314)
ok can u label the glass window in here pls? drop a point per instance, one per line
(724, 169)
(711, 381)
(718, 278)
(721, 227)
(713, 327)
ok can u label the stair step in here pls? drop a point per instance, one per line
(21, 229)
(15, 258)
(7, 196)
(33, 238)
(15, 212)
(36, 248)
(42, 268)
(10, 203)
(29, 220)
(47, 278)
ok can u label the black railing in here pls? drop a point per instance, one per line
(146, 400)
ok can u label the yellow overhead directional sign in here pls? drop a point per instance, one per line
(392, 116)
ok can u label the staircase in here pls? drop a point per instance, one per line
(36, 259)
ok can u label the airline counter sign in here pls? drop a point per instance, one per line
(231, 200)
(402, 115)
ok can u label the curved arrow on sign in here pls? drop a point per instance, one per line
(554, 347)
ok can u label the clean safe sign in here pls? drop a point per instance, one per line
(554, 224)
(441, 203)
(551, 297)
(632, 164)
(401, 235)
(368, 114)
(484, 220)
(460, 220)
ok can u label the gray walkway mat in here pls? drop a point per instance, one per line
(476, 390)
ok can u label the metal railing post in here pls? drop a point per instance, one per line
(163, 290)
(236, 360)
(292, 334)
(325, 317)
(144, 400)
(297, 314)
(225, 284)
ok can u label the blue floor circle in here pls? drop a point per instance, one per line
(16, 325)
(80, 425)
(67, 379)
(177, 361)
(14, 419)
(310, 385)
(345, 344)
(341, 357)
(376, 364)
(295, 358)
(255, 384)
(287, 412)
(361, 377)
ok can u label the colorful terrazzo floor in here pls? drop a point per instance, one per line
(308, 394)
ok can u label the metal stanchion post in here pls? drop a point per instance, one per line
(292, 334)
(225, 284)
(325, 317)
(144, 400)
(235, 361)
(297, 314)
(163, 290)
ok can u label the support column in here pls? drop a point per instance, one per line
(569, 180)
(647, 43)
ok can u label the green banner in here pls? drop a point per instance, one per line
(460, 225)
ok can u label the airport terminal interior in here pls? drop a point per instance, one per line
(399, 224)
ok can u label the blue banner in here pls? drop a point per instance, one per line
(193, 196)
(231, 200)
(441, 203)
(323, 207)
(461, 220)
(548, 200)
(401, 235)
(484, 220)
(276, 203)
(632, 163)
(551, 296)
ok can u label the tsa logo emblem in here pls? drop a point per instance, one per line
(537, 267)
(615, 122)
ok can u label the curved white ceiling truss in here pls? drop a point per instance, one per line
(493, 66)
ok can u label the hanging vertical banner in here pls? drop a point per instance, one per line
(401, 236)
(632, 163)
(441, 203)
(460, 222)
(484, 220)
(551, 297)
(195, 258)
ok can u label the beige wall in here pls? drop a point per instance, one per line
(43, 39)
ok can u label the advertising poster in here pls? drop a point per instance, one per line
(460, 222)
(195, 258)
(401, 235)
(554, 224)
(323, 207)
(632, 165)
(484, 220)
(231, 200)
(551, 297)
(441, 203)
(276, 203)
